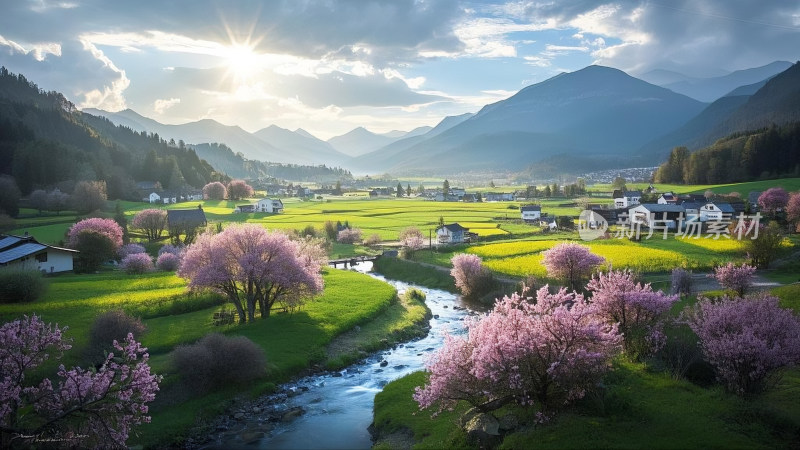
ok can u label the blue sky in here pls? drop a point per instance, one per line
(331, 65)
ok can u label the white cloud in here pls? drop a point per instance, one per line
(161, 105)
(39, 51)
(109, 98)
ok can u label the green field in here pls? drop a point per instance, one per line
(292, 342)
(790, 184)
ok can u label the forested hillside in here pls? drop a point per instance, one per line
(767, 153)
(44, 140)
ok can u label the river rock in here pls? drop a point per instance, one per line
(250, 437)
(483, 429)
(399, 367)
(256, 410)
(292, 414)
(384, 363)
(336, 374)
(435, 316)
(238, 416)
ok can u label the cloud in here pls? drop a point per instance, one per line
(161, 105)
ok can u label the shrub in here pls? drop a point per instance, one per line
(373, 240)
(330, 230)
(746, 339)
(470, 275)
(349, 236)
(681, 282)
(736, 278)
(169, 248)
(95, 249)
(130, 249)
(168, 262)
(137, 263)
(571, 263)
(309, 230)
(21, 285)
(107, 227)
(108, 327)
(216, 360)
(766, 247)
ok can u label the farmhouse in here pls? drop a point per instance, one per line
(245, 208)
(549, 223)
(269, 205)
(668, 198)
(24, 252)
(531, 213)
(186, 218)
(654, 214)
(153, 198)
(626, 199)
(452, 233)
(499, 197)
(716, 211)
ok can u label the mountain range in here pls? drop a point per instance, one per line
(594, 114)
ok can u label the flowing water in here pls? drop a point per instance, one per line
(338, 407)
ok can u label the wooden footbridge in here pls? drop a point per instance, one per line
(351, 261)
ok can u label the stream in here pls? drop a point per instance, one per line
(333, 410)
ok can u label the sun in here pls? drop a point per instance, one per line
(242, 63)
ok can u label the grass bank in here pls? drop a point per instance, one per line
(412, 272)
(639, 407)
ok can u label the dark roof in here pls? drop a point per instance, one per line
(453, 227)
(725, 207)
(530, 208)
(633, 193)
(16, 247)
(655, 207)
(691, 205)
(752, 197)
(194, 217)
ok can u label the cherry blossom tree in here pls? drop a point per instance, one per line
(571, 263)
(542, 354)
(349, 235)
(215, 191)
(105, 227)
(773, 199)
(151, 222)
(470, 275)
(254, 268)
(81, 408)
(239, 189)
(793, 210)
(638, 311)
(747, 340)
(736, 278)
(168, 262)
(97, 240)
(412, 240)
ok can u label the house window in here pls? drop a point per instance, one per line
(41, 257)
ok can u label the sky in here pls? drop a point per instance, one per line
(328, 66)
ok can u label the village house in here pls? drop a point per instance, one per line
(716, 211)
(25, 252)
(152, 198)
(654, 214)
(548, 223)
(626, 199)
(499, 197)
(245, 209)
(668, 198)
(269, 205)
(469, 198)
(531, 213)
(452, 233)
(169, 198)
(182, 219)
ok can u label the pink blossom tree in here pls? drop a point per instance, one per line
(254, 268)
(152, 222)
(349, 235)
(638, 311)
(736, 278)
(239, 189)
(471, 277)
(97, 240)
(570, 263)
(542, 354)
(411, 240)
(773, 199)
(747, 340)
(215, 191)
(105, 227)
(793, 210)
(82, 408)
